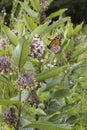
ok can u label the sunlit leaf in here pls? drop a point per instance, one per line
(31, 25)
(21, 52)
(56, 24)
(31, 12)
(24, 122)
(55, 14)
(12, 37)
(78, 28)
(35, 4)
(21, 28)
(39, 112)
(9, 102)
(39, 30)
(79, 52)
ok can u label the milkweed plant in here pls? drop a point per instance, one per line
(41, 90)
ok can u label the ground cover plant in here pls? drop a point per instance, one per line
(42, 86)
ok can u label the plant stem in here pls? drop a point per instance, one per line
(19, 112)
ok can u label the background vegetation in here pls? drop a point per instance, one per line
(39, 89)
(76, 9)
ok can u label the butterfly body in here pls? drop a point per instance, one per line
(54, 45)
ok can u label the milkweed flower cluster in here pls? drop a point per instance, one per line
(37, 48)
(26, 80)
(5, 64)
(3, 43)
(44, 5)
(33, 98)
(9, 116)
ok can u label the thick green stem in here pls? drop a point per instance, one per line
(19, 112)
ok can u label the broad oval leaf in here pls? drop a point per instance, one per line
(49, 73)
(21, 52)
(53, 81)
(25, 122)
(60, 93)
(39, 112)
(54, 106)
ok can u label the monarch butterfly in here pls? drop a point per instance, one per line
(55, 44)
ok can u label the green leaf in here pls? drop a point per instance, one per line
(39, 30)
(47, 126)
(35, 4)
(21, 28)
(29, 67)
(53, 81)
(56, 24)
(9, 102)
(3, 79)
(77, 53)
(55, 14)
(39, 112)
(54, 106)
(31, 25)
(34, 61)
(56, 118)
(49, 1)
(21, 52)
(24, 96)
(31, 12)
(71, 31)
(60, 93)
(49, 73)
(24, 122)
(78, 28)
(12, 37)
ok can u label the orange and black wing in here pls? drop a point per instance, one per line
(55, 44)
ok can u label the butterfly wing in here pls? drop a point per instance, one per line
(55, 48)
(55, 44)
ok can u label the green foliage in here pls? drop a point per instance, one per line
(21, 52)
(60, 79)
(10, 34)
(47, 125)
(31, 12)
(55, 14)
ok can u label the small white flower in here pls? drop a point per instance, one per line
(50, 65)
